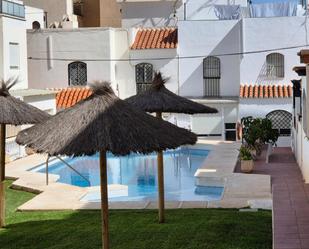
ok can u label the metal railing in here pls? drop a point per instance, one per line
(68, 165)
(12, 8)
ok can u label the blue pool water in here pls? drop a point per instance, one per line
(136, 176)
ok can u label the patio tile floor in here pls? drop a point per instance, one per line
(290, 199)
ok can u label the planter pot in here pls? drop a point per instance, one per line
(246, 166)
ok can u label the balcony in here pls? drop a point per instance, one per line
(12, 9)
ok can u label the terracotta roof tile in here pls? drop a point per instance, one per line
(261, 92)
(160, 38)
(265, 91)
(241, 91)
(271, 92)
(290, 88)
(70, 96)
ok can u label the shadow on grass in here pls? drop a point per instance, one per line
(185, 229)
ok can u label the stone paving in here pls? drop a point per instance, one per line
(290, 200)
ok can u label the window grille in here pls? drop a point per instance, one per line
(144, 76)
(275, 65)
(77, 73)
(281, 121)
(212, 76)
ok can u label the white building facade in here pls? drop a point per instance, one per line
(300, 142)
(212, 53)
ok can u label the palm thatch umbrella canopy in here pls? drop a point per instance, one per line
(159, 99)
(14, 112)
(103, 122)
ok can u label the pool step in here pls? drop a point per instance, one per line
(208, 177)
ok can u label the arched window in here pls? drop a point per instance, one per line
(275, 65)
(36, 25)
(212, 76)
(143, 76)
(77, 73)
(282, 121)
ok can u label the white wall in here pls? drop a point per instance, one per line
(272, 33)
(150, 14)
(202, 39)
(34, 15)
(261, 107)
(45, 103)
(13, 30)
(80, 44)
(300, 139)
(204, 10)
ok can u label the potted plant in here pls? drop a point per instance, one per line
(246, 159)
(252, 134)
(257, 132)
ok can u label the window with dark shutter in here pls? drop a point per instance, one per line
(144, 76)
(212, 76)
(77, 73)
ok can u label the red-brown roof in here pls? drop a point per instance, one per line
(70, 96)
(265, 91)
(151, 38)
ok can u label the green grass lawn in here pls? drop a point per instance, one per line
(184, 229)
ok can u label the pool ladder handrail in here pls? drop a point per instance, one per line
(68, 165)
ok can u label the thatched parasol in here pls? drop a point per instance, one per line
(159, 99)
(103, 122)
(14, 112)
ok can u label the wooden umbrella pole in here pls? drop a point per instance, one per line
(2, 175)
(160, 181)
(2, 152)
(104, 200)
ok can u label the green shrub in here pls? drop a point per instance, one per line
(245, 153)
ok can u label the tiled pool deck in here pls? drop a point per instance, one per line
(290, 200)
(218, 168)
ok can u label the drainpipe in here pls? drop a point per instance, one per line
(223, 125)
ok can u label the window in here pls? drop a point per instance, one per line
(14, 55)
(36, 25)
(12, 8)
(78, 7)
(77, 73)
(275, 65)
(144, 76)
(281, 121)
(230, 131)
(212, 76)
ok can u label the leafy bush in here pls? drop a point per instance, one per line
(258, 131)
(245, 153)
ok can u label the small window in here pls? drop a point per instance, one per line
(144, 76)
(77, 73)
(275, 65)
(14, 55)
(78, 6)
(36, 25)
(212, 76)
